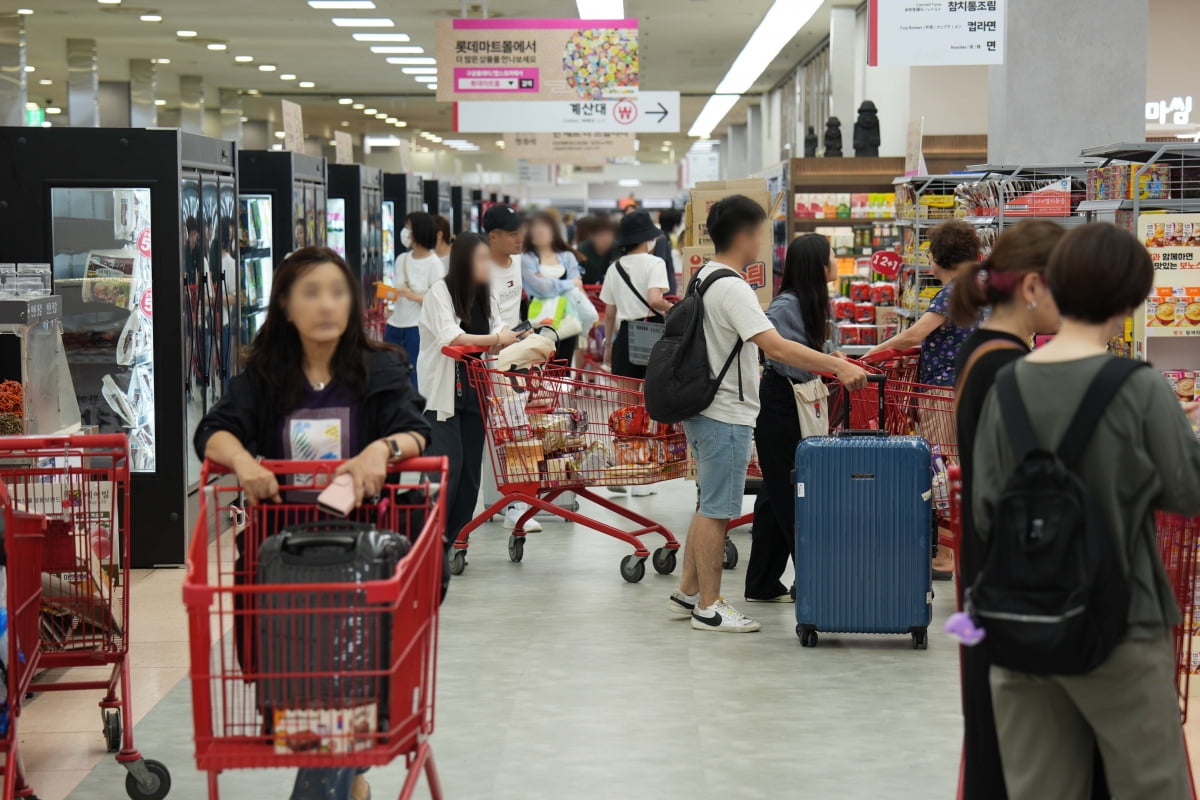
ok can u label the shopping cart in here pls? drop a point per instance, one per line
(81, 485)
(375, 321)
(361, 714)
(898, 365)
(593, 352)
(556, 429)
(24, 540)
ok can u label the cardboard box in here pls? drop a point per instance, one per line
(760, 275)
(707, 193)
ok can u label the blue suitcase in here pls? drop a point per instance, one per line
(863, 527)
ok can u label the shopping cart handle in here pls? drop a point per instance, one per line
(434, 464)
(459, 352)
(90, 441)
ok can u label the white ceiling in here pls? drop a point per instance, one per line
(686, 45)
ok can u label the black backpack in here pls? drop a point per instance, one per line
(1053, 594)
(679, 381)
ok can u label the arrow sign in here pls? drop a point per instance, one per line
(648, 112)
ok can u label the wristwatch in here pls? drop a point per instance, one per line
(395, 451)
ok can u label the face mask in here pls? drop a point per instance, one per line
(406, 238)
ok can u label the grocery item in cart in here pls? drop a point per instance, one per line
(521, 459)
(635, 421)
(507, 417)
(644, 450)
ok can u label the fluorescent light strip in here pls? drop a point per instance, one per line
(601, 9)
(420, 71)
(307, 85)
(404, 48)
(425, 78)
(412, 60)
(341, 5)
(243, 59)
(713, 112)
(363, 22)
(151, 18)
(382, 37)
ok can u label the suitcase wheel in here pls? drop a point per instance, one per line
(633, 568)
(920, 639)
(731, 554)
(808, 635)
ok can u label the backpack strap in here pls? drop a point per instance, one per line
(625, 277)
(737, 348)
(1014, 414)
(1099, 395)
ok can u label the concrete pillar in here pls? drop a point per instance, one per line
(754, 139)
(191, 103)
(83, 84)
(736, 161)
(1047, 101)
(143, 91)
(231, 115)
(256, 135)
(114, 104)
(13, 94)
(842, 66)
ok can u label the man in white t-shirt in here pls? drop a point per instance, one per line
(504, 228)
(720, 437)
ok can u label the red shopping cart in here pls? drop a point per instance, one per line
(375, 321)
(81, 485)
(24, 540)
(593, 352)
(357, 712)
(556, 429)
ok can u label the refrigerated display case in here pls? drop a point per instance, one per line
(360, 190)
(139, 226)
(296, 185)
(437, 200)
(335, 225)
(258, 262)
(476, 209)
(460, 209)
(389, 242)
(403, 191)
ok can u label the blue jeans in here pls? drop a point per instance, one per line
(324, 784)
(410, 340)
(722, 452)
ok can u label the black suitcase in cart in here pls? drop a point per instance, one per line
(314, 646)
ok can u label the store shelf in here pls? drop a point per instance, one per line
(821, 222)
(1184, 205)
(255, 252)
(908, 313)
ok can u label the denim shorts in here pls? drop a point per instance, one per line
(722, 453)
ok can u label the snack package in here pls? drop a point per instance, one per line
(506, 412)
(634, 421)
(521, 459)
(571, 444)
(843, 308)
(1183, 383)
(593, 459)
(864, 313)
(671, 448)
(634, 450)
(578, 420)
(883, 293)
(558, 469)
(331, 731)
(860, 291)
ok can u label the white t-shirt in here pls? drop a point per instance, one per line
(506, 289)
(732, 314)
(418, 274)
(439, 326)
(647, 272)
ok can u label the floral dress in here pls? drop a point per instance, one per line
(940, 348)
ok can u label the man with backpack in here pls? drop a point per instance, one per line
(704, 373)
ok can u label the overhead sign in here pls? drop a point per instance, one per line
(581, 148)
(935, 32)
(343, 148)
(534, 173)
(293, 127)
(649, 112)
(537, 59)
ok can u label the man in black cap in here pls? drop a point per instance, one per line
(505, 230)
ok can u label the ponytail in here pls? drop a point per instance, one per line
(1019, 250)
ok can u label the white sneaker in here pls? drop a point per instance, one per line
(722, 617)
(514, 512)
(642, 491)
(682, 605)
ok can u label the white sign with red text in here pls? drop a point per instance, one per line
(648, 112)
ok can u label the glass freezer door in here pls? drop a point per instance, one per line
(389, 242)
(335, 231)
(258, 264)
(102, 271)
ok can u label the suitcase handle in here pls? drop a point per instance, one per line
(872, 377)
(324, 533)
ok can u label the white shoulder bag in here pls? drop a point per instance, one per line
(812, 407)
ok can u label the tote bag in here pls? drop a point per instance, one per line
(812, 407)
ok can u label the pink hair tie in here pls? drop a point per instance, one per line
(1004, 282)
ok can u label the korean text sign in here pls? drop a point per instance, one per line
(537, 59)
(935, 32)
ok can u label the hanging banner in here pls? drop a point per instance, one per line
(649, 112)
(536, 59)
(935, 33)
(293, 126)
(1173, 309)
(343, 148)
(581, 148)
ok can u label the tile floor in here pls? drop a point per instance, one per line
(558, 679)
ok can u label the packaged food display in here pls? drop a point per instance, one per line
(883, 293)
(860, 291)
(843, 308)
(864, 313)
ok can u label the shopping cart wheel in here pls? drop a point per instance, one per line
(807, 634)
(159, 782)
(920, 639)
(664, 561)
(516, 548)
(731, 554)
(633, 568)
(112, 729)
(458, 562)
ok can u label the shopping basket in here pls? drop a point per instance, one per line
(555, 429)
(642, 335)
(225, 606)
(81, 485)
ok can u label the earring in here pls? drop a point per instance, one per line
(1031, 306)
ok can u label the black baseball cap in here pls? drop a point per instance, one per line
(637, 227)
(502, 218)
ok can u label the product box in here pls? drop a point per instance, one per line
(1050, 200)
(887, 315)
(758, 275)
(1183, 383)
(1173, 307)
(708, 192)
(325, 730)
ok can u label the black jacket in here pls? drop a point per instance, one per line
(391, 405)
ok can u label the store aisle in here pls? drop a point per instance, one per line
(555, 673)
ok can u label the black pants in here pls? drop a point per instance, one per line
(774, 531)
(565, 349)
(461, 439)
(620, 356)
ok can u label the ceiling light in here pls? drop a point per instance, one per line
(160, 102)
(45, 82)
(667, 143)
(276, 146)
(31, 106)
(382, 141)
(425, 78)
(53, 110)
(151, 17)
(345, 101)
(342, 5)
(358, 106)
(243, 59)
(370, 112)
(161, 60)
(713, 112)
(431, 86)
(332, 143)
(381, 115)
(30, 68)
(412, 60)
(280, 134)
(392, 120)
(629, 182)
(381, 37)
(24, 12)
(47, 123)
(186, 34)
(267, 68)
(245, 119)
(109, 2)
(637, 145)
(401, 123)
(404, 48)
(307, 85)
(345, 123)
(420, 71)
(601, 9)
(363, 22)
(218, 46)
(425, 134)
(254, 92)
(500, 143)
(433, 137)
(287, 76)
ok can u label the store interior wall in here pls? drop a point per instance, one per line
(1168, 72)
(114, 104)
(953, 100)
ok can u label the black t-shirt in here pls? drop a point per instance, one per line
(971, 395)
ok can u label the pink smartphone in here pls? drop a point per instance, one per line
(338, 497)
